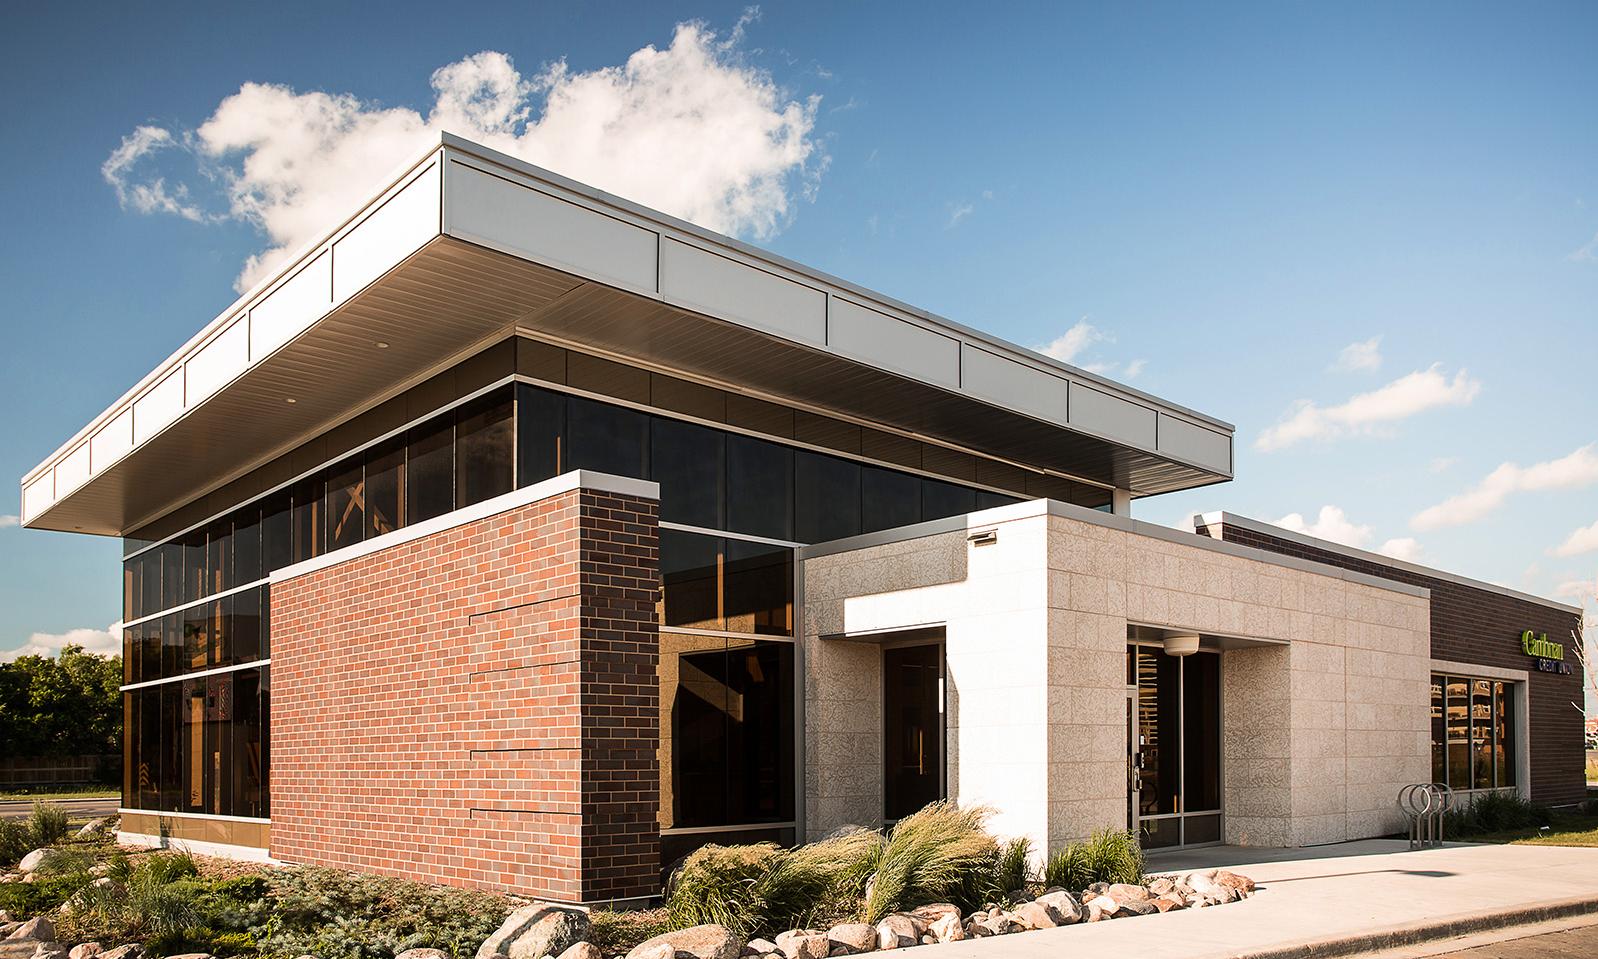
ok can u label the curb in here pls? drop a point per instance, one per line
(1414, 934)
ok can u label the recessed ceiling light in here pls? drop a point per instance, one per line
(381, 345)
(290, 399)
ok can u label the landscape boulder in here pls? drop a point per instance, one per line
(130, 951)
(899, 929)
(854, 936)
(708, 941)
(579, 950)
(85, 950)
(1063, 905)
(1126, 892)
(38, 928)
(416, 954)
(1035, 915)
(50, 950)
(192, 955)
(660, 950)
(33, 860)
(804, 944)
(946, 928)
(538, 930)
(759, 947)
(92, 828)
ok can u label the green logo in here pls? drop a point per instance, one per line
(1540, 647)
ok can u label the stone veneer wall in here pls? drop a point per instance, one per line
(1322, 726)
(479, 706)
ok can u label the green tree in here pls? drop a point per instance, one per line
(66, 705)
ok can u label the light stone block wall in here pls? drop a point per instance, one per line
(1324, 716)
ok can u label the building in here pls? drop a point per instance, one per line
(516, 536)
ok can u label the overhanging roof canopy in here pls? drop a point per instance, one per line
(469, 245)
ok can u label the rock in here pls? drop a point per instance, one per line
(947, 928)
(38, 928)
(854, 936)
(804, 944)
(1169, 901)
(1127, 892)
(1243, 884)
(192, 955)
(899, 929)
(6, 928)
(709, 941)
(129, 951)
(6, 916)
(416, 954)
(33, 860)
(934, 911)
(1138, 907)
(50, 950)
(660, 950)
(997, 923)
(1101, 907)
(1035, 915)
(539, 930)
(577, 950)
(92, 828)
(1065, 906)
(759, 947)
(1160, 886)
(1096, 889)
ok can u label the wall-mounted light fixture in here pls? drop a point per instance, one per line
(983, 537)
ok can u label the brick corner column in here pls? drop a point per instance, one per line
(619, 576)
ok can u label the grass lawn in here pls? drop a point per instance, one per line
(61, 792)
(1568, 829)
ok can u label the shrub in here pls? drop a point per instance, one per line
(617, 931)
(718, 884)
(1011, 869)
(1494, 812)
(932, 855)
(763, 888)
(16, 841)
(48, 824)
(169, 867)
(1109, 855)
(24, 900)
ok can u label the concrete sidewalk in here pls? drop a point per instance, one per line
(1327, 901)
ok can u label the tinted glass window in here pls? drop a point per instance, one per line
(541, 423)
(430, 470)
(940, 499)
(759, 487)
(693, 734)
(346, 504)
(758, 588)
(219, 556)
(310, 519)
(1201, 737)
(193, 547)
(246, 625)
(888, 499)
(607, 439)
(247, 545)
(1504, 701)
(277, 532)
(484, 445)
(385, 487)
(826, 497)
(760, 754)
(690, 567)
(689, 463)
(150, 581)
(171, 574)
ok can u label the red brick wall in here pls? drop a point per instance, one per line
(478, 707)
(1479, 626)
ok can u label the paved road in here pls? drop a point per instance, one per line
(1578, 943)
(77, 808)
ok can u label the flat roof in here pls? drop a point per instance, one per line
(465, 245)
(1224, 518)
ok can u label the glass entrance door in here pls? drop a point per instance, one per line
(1176, 746)
(912, 709)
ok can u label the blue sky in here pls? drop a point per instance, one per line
(1219, 203)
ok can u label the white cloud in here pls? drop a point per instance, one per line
(694, 130)
(1134, 368)
(1069, 344)
(1334, 525)
(151, 194)
(10, 519)
(1369, 413)
(1331, 524)
(1442, 464)
(1577, 470)
(102, 641)
(1583, 540)
(1580, 590)
(1364, 356)
(1401, 547)
(958, 212)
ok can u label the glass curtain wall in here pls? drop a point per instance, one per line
(196, 651)
(1473, 732)
(1177, 729)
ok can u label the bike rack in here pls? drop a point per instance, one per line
(1425, 804)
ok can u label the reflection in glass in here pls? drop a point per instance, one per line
(1439, 734)
(1481, 733)
(690, 571)
(430, 469)
(757, 595)
(1201, 738)
(310, 522)
(1503, 703)
(484, 449)
(826, 497)
(385, 487)
(689, 463)
(607, 439)
(1457, 715)
(759, 487)
(940, 499)
(346, 504)
(888, 499)
(541, 429)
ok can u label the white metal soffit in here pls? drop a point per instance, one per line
(467, 245)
